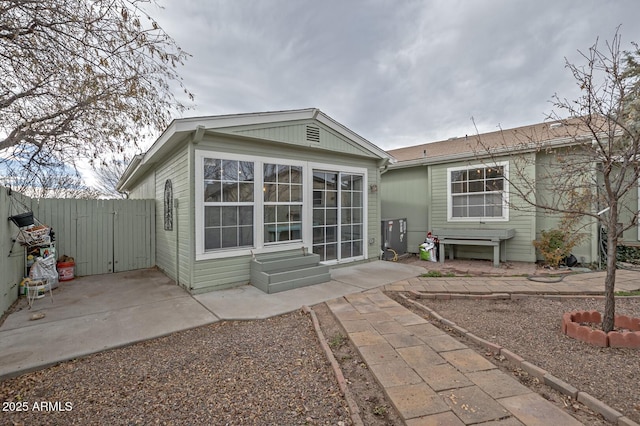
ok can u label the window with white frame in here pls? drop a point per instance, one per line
(282, 189)
(228, 203)
(247, 204)
(478, 192)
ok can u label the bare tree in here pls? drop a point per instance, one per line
(108, 174)
(79, 78)
(585, 167)
(50, 183)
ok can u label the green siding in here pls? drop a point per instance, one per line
(174, 247)
(144, 190)
(295, 133)
(227, 272)
(518, 248)
(586, 251)
(420, 194)
(405, 194)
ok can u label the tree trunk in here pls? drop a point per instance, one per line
(608, 318)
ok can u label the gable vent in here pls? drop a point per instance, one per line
(313, 134)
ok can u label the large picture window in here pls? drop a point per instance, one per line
(478, 192)
(247, 205)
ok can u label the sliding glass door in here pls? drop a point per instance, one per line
(338, 215)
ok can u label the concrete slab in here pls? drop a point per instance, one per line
(416, 400)
(366, 338)
(420, 357)
(443, 343)
(473, 406)
(375, 274)
(247, 302)
(441, 419)
(402, 340)
(395, 373)
(389, 327)
(379, 354)
(442, 377)
(497, 384)
(357, 325)
(69, 330)
(467, 360)
(533, 410)
(425, 330)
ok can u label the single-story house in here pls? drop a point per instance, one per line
(460, 188)
(236, 191)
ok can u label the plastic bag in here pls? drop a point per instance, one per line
(44, 268)
(428, 250)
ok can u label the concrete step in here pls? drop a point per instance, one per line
(274, 273)
(283, 263)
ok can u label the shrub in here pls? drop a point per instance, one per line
(556, 244)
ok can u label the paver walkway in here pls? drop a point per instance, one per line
(578, 284)
(430, 377)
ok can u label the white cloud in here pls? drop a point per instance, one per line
(398, 73)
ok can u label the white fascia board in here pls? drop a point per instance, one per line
(334, 125)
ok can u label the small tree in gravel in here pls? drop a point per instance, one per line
(595, 165)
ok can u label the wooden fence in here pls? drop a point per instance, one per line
(103, 236)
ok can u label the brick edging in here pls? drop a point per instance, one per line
(545, 377)
(571, 326)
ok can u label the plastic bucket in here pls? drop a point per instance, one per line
(66, 271)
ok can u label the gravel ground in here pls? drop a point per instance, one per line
(256, 372)
(531, 328)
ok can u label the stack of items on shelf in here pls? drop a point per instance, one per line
(40, 253)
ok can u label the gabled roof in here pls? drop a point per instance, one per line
(550, 133)
(179, 129)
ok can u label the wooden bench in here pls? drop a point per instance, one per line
(474, 237)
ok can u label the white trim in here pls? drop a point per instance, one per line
(365, 207)
(505, 193)
(258, 228)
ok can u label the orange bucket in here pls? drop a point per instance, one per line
(66, 270)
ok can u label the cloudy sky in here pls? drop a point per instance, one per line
(398, 72)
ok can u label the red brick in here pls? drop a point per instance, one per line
(598, 338)
(572, 329)
(635, 323)
(623, 321)
(594, 317)
(582, 333)
(624, 340)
